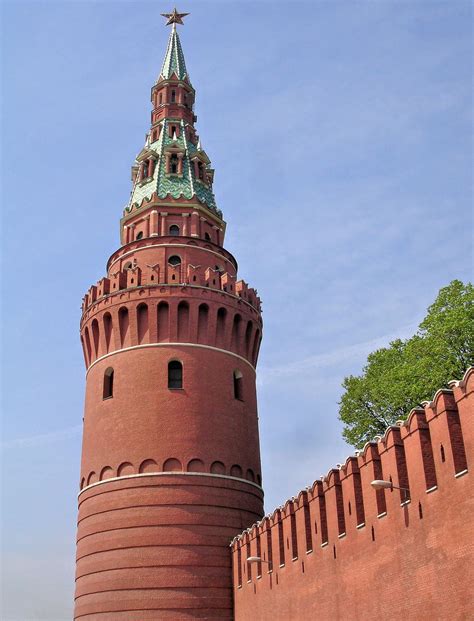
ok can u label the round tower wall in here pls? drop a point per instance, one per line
(149, 427)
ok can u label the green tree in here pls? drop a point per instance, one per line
(399, 377)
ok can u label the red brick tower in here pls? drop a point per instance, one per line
(170, 462)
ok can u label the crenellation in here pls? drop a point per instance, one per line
(418, 447)
(354, 513)
(133, 276)
(442, 417)
(402, 455)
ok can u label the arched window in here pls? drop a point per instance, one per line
(139, 235)
(174, 230)
(174, 164)
(175, 374)
(173, 96)
(207, 237)
(108, 383)
(174, 260)
(146, 167)
(238, 393)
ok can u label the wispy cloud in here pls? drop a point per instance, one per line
(42, 438)
(351, 353)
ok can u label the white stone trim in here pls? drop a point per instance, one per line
(125, 254)
(167, 474)
(146, 345)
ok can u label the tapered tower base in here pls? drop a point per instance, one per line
(153, 546)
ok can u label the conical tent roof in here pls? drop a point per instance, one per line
(174, 62)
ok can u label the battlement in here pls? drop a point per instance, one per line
(341, 515)
(157, 276)
(127, 311)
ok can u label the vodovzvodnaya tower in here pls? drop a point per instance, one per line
(170, 460)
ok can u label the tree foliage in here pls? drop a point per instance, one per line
(399, 377)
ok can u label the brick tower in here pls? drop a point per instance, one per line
(170, 461)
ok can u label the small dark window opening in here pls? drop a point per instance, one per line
(302, 566)
(174, 164)
(173, 96)
(443, 456)
(200, 171)
(139, 235)
(207, 237)
(174, 230)
(174, 260)
(152, 277)
(175, 374)
(194, 278)
(420, 510)
(161, 97)
(155, 135)
(334, 551)
(108, 383)
(238, 392)
(350, 508)
(373, 534)
(145, 169)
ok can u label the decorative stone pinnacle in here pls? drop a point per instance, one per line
(174, 17)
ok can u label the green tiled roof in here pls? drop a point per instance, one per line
(174, 58)
(186, 186)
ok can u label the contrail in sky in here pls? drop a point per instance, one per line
(42, 438)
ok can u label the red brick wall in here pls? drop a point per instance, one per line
(354, 553)
(169, 475)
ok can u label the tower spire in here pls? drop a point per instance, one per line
(174, 62)
(172, 165)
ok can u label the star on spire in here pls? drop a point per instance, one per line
(174, 17)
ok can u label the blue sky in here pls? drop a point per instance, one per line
(342, 141)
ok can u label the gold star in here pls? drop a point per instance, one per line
(174, 17)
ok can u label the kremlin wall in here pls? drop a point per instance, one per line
(342, 550)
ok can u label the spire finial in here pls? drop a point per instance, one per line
(174, 17)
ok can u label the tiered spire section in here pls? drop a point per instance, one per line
(172, 164)
(174, 62)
